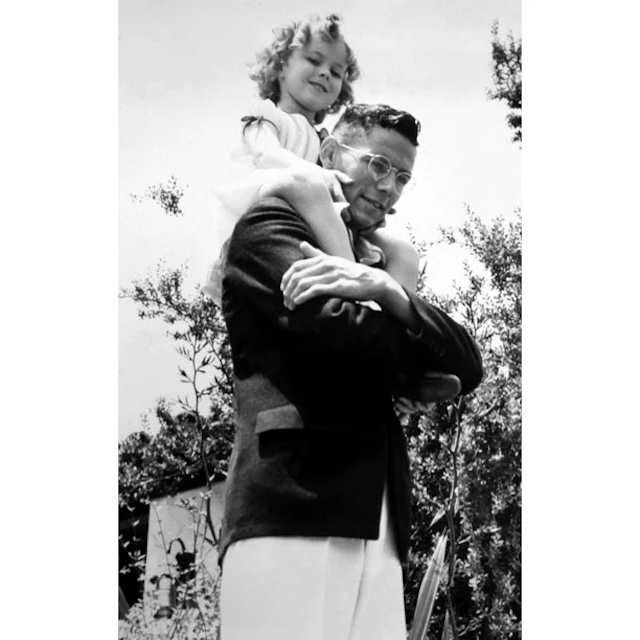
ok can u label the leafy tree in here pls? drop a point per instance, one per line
(507, 78)
(166, 195)
(466, 457)
(197, 439)
(193, 444)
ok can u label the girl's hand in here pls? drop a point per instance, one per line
(334, 180)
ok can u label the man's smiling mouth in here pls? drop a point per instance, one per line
(376, 204)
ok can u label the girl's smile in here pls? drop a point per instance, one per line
(318, 86)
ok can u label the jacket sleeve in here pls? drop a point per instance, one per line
(266, 242)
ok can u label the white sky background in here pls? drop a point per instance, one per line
(59, 120)
(183, 85)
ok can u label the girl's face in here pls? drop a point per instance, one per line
(311, 78)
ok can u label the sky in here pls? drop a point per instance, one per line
(183, 85)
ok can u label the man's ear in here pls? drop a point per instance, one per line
(328, 152)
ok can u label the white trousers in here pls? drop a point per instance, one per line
(306, 588)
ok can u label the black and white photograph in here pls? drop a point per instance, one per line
(319, 345)
(294, 309)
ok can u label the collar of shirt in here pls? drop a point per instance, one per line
(365, 252)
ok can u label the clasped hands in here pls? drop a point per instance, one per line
(319, 274)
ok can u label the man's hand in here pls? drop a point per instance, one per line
(319, 274)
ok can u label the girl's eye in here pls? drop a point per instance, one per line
(335, 74)
(313, 61)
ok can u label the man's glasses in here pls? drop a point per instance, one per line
(380, 167)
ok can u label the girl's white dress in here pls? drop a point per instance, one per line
(295, 134)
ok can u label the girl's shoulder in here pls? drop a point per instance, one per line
(295, 133)
(266, 110)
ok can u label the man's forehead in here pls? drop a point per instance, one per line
(382, 141)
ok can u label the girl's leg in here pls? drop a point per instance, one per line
(309, 195)
(402, 263)
(402, 259)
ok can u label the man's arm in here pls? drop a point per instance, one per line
(408, 336)
(319, 274)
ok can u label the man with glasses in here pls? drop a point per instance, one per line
(317, 510)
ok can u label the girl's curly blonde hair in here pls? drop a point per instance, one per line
(270, 60)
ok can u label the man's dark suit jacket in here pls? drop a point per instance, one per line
(316, 433)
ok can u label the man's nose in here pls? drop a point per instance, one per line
(387, 184)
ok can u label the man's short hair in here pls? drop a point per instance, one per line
(361, 118)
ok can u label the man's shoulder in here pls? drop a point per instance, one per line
(267, 209)
(267, 216)
(266, 203)
(266, 110)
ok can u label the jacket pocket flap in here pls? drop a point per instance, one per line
(284, 417)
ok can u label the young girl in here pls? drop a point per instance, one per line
(304, 74)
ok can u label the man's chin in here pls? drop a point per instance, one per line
(367, 226)
(362, 222)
